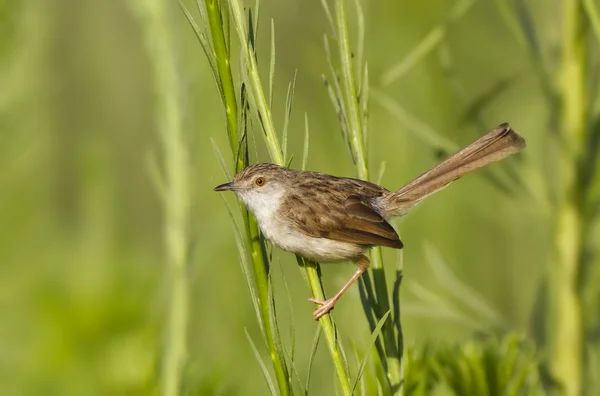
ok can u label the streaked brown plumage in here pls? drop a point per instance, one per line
(328, 218)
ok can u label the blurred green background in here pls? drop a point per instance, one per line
(82, 282)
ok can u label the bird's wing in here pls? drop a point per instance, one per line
(348, 219)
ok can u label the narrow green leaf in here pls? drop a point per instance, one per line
(157, 179)
(203, 41)
(593, 14)
(289, 101)
(396, 306)
(382, 168)
(306, 142)
(360, 18)
(337, 105)
(311, 358)
(256, 20)
(296, 375)
(467, 295)
(251, 35)
(328, 15)
(340, 114)
(371, 343)
(426, 310)
(226, 24)
(364, 106)
(242, 250)
(272, 64)
(511, 21)
(289, 162)
(419, 129)
(290, 311)
(255, 87)
(220, 158)
(427, 44)
(527, 23)
(335, 79)
(262, 365)
(357, 359)
(371, 311)
(201, 9)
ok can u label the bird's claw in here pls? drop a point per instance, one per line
(325, 306)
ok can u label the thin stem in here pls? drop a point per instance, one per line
(355, 126)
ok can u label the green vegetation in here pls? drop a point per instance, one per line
(123, 273)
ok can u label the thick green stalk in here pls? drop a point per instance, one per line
(276, 154)
(259, 261)
(568, 325)
(160, 43)
(353, 116)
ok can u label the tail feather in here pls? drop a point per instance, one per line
(494, 146)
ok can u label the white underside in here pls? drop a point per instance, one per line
(282, 234)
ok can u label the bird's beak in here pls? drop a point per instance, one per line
(225, 187)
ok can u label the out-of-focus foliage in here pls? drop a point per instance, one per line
(479, 367)
(82, 265)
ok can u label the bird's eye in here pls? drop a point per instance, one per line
(260, 181)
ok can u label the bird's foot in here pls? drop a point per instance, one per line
(326, 306)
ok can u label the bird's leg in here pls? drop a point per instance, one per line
(327, 305)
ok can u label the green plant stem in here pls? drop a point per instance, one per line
(312, 271)
(226, 87)
(568, 341)
(349, 90)
(261, 278)
(353, 115)
(271, 139)
(276, 154)
(254, 243)
(160, 44)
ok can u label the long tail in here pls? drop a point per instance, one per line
(494, 146)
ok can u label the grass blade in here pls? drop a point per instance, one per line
(382, 168)
(289, 101)
(429, 42)
(311, 358)
(156, 176)
(459, 289)
(328, 15)
(421, 130)
(201, 38)
(272, 64)
(306, 143)
(360, 40)
(426, 45)
(221, 159)
(593, 14)
(262, 365)
(371, 343)
(257, 93)
(364, 106)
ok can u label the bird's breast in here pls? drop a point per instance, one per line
(288, 237)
